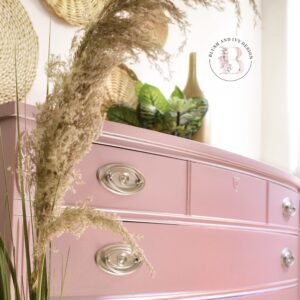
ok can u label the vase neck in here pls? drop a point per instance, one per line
(193, 68)
(192, 88)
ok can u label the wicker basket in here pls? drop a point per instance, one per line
(119, 88)
(80, 12)
(18, 47)
(76, 12)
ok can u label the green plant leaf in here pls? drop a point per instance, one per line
(192, 127)
(178, 93)
(152, 99)
(168, 123)
(138, 86)
(200, 104)
(123, 114)
(147, 115)
(4, 280)
(163, 122)
(191, 113)
(180, 105)
(7, 269)
(152, 105)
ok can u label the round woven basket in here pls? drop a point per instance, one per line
(80, 12)
(76, 12)
(119, 88)
(18, 50)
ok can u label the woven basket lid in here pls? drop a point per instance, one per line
(76, 12)
(119, 88)
(18, 47)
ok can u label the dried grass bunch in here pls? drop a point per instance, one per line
(70, 119)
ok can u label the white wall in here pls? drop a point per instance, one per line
(235, 106)
(62, 35)
(275, 118)
(280, 92)
(293, 66)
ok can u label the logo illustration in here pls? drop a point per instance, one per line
(230, 59)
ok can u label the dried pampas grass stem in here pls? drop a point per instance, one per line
(70, 119)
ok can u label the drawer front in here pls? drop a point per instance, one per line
(222, 193)
(164, 189)
(185, 258)
(277, 213)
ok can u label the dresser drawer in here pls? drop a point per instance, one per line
(185, 258)
(283, 206)
(165, 181)
(221, 193)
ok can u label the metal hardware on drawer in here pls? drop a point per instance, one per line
(287, 257)
(117, 259)
(288, 207)
(121, 179)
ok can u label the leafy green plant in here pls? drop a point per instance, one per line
(123, 114)
(178, 115)
(152, 105)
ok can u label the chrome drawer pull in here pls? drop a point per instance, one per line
(120, 179)
(288, 207)
(287, 257)
(117, 259)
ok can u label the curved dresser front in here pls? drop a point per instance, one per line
(215, 225)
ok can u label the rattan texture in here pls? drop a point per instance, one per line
(76, 12)
(119, 88)
(18, 51)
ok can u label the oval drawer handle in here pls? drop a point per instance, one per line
(288, 207)
(288, 258)
(121, 179)
(117, 259)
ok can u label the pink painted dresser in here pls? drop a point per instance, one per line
(215, 225)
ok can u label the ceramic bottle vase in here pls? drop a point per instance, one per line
(192, 89)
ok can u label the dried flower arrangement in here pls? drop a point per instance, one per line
(70, 119)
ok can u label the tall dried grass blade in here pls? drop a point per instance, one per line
(7, 204)
(49, 270)
(4, 280)
(22, 189)
(64, 273)
(23, 288)
(31, 216)
(41, 288)
(48, 59)
(45, 287)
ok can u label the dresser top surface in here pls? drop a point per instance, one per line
(139, 139)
